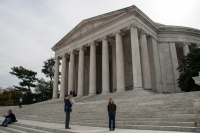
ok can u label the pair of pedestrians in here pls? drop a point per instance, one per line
(111, 107)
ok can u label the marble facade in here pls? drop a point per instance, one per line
(120, 51)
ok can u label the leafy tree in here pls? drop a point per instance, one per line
(5, 99)
(27, 76)
(189, 67)
(42, 90)
(48, 70)
(10, 97)
(16, 95)
(28, 97)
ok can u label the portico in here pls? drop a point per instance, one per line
(119, 51)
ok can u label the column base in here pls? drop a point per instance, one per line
(120, 90)
(81, 95)
(61, 97)
(142, 92)
(92, 94)
(105, 92)
(138, 88)
(54, 98)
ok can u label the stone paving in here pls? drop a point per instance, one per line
(77, 129)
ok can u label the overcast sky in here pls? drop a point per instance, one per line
(30, 28)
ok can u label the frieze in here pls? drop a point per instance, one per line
(183, 29)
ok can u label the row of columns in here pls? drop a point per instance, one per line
(118, 60)
(140, 64)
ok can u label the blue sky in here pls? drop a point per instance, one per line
(30, 28)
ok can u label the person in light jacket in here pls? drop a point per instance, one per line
(111, 113)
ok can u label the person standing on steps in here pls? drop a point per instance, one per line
(111, 113)
(67, 110)
(20, 102)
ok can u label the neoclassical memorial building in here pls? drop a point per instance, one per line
(120, 51)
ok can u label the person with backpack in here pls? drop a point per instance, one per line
(111, 113)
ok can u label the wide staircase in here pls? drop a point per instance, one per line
(137, 109)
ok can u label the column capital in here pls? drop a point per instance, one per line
(81, 48)
(119, 32)
(92, 43)
(71, 52)
(112, 41)
(185, 43)
(143, 32)
(65, 55)
(150, 36)
(57, 57)
(134, 25)
(104, 38)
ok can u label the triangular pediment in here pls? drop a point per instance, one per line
(86, 26)
(89, 24)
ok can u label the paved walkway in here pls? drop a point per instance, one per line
(86, 129)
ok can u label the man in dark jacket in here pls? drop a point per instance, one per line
(9, 117)
(67, 110)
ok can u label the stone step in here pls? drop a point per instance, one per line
(158, 96)
(11, 130)
(147, 127)
(1, 131)
(28, 129)
(133, 112)
(150, 127)
(138, 110)
(142, 119)
(139, 115)
(155, 123)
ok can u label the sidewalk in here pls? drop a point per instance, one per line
(85, 129)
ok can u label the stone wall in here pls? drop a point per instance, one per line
(166, 68)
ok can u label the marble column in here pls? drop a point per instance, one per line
(71, 72)
(92, 74)
(137, 74)
(67, 74)
(185, 49)
(56, 76)
(174, 60)
(146, 78)
(81, 72)
(105, 66)
(155, 72)
(114, 66)
(63, 77)
(119, 62)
